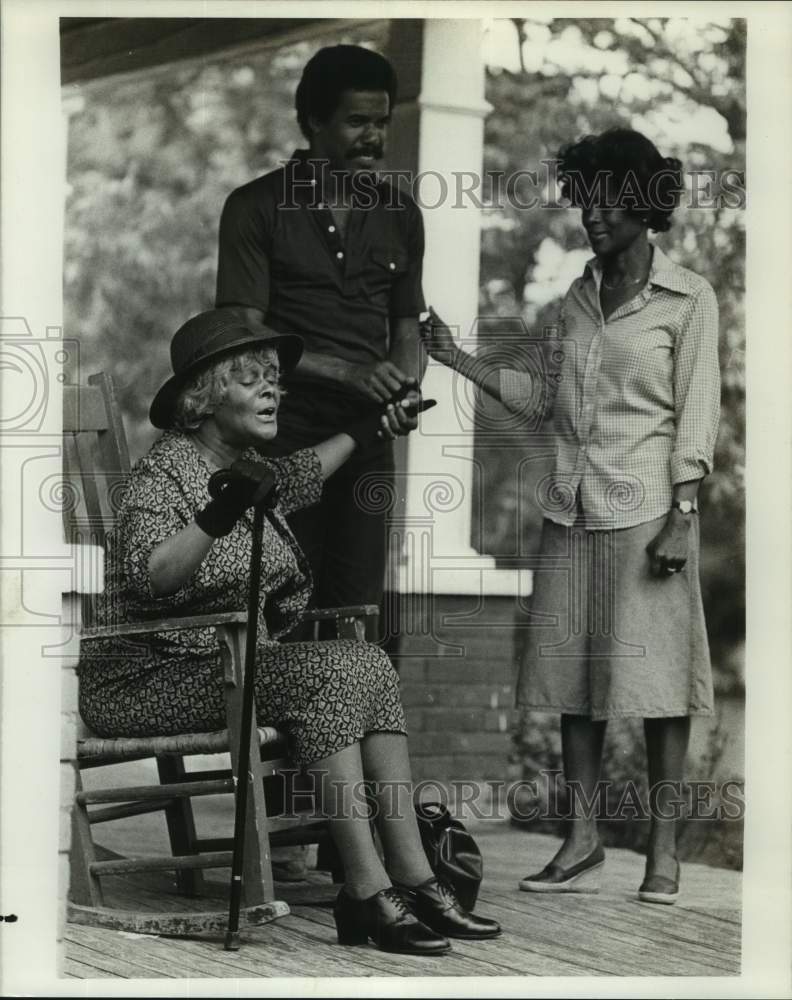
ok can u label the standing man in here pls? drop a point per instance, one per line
(325, 249)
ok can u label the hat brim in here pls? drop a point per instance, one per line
(289, 347)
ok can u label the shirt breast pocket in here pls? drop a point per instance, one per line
(389, 262)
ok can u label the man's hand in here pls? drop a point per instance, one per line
(398, 418)
(668, 550)
(401, 414)
(379, 382)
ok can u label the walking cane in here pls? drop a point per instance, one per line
(246, 725)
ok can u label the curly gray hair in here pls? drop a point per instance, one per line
(206, 390)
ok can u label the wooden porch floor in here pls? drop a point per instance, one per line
(611, 933)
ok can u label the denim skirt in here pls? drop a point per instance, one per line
(605, 638)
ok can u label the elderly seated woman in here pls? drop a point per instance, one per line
(176, 549)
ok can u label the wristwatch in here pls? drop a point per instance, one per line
(686, 506)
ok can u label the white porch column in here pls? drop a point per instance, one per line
(36, 567)
(438, 133)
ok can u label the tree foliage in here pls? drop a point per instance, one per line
(151, 160)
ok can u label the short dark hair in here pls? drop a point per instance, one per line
(654, 181)
(333, 70)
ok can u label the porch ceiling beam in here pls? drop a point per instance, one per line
(92, 48)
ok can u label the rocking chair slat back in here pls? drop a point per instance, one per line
(94, 439)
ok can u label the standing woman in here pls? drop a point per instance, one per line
(617, 626)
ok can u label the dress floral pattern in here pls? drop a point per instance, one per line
(325, 695)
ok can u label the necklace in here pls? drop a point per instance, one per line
(623, 284)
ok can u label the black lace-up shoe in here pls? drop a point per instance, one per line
(389, 921)
(436, 904)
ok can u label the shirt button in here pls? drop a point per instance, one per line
(321, 203)
(331, 229)
(340, 255)
(392, 266)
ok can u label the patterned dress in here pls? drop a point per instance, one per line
(325, 695)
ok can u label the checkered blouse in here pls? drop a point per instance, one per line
(638, 402)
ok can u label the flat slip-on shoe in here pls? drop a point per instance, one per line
(435, 904)
(388, 920)
(660, 889)
(582, 877)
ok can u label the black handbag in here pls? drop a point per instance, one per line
(453, 854)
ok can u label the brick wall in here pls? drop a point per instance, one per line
(456, 660)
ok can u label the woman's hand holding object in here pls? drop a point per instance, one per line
(234, 490)
(437, 338)
(668, 550)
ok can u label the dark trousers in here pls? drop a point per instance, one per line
(344, 536)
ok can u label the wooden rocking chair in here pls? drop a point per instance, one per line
(96, 465)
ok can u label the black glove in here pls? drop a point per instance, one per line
(234, 490)
(366, 430)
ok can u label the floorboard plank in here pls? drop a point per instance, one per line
(601, 947)
(198, 959)
(610, 933)
(660, 929)
(511, 953)
(119, 965)
(315, 929)
(72, 969)
(282, 952)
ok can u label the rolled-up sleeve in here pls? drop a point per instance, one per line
(406, 298)
(697, 389)
(517, 389)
